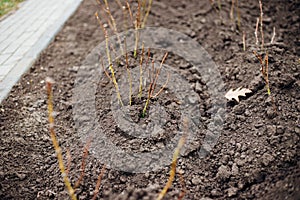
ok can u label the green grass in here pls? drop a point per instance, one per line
(8, 5)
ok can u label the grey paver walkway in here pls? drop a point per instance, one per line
(24, 34)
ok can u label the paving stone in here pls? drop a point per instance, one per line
(4, 45)
(3, 58)
(3, 38)
(24, 34)
(7, 82)
(4, 69)
(22, 50)
(13, 60)
(11, 48)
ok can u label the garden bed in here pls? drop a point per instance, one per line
(256, 155)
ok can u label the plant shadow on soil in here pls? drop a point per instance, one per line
(257, 154)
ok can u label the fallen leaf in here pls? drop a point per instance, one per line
(234, 94)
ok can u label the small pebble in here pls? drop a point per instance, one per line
(223, 172)
(235, 169)
(232, 191)
(271, 113)
(196, 180)
(266, 159)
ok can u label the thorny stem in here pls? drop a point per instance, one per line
(130, 13)
(119, 3)
(264, 69)
(212, 3)
(152, 84)
(96, 191)
(239, 14)
(128, 73)
(84, 156)
(163, 87)
(109, 59)
(244, 41)
(219, 5)
(147, 13)
(106, 73)
(137, 26)
(256, 31)
(147, 101)
(141, 73)
(69, 161)
(232, 9)
(261, 25)
(174, 162)
(143, 6)
(149, 68)
(265, 73)
(182, 183)
(57, 148)
(107, 9)
(158, 72)
(103, 15)
(274, 34)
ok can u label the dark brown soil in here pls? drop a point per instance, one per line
(257, 154)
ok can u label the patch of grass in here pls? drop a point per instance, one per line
(8, 5)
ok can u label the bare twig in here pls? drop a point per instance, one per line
(261, 25)
(56, 146)
(219, 5)
(69, 159)
(143, 9)
(244, 41)
(141, 72)
(182, 183)
(148, 57)
(147, 101)
(137, 27)
(212, 3)
(109, 59)
(256, 31)
(163, 87)
(128, 73)
(119, 3)
(174, 162)
(103, 15)
(130, 13)
(265, 73)
(238, 15)
(232, 10)
(147, 13)
(158, 72)
(104, 70)
(274, 34)
(107, 10)
(264, 69)
(149, 68)
(153, 72)
(84, 156)
(99, 182)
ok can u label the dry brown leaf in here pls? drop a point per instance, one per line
(234, 94)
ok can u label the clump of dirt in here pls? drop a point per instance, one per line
(257, 154)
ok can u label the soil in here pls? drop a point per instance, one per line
(257, 153)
